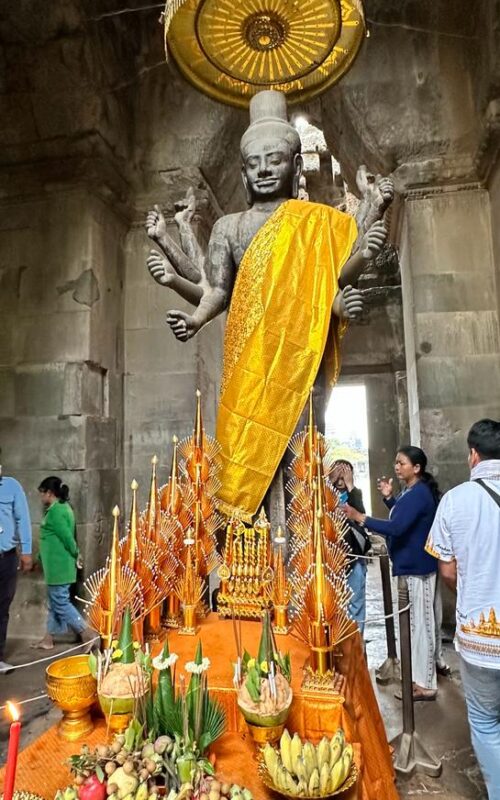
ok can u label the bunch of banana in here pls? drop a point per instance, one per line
(304, 770)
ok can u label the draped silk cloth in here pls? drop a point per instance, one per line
(277, 329)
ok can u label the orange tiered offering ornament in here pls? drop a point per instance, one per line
(318, 560)
(197, 517)
(279, 590)
(245, 572)
(112, 589)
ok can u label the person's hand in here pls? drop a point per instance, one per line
(156, 227)
(26, 563)
(373, 240)
(183, 325)
(351, 513)
(384, 485)
(352, 303)
(79, 561)
(348, 478)
(160, 268)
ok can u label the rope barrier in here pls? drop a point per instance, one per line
(29, 700)
(388, 616)
(54, 655)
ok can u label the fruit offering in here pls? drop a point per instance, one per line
(302, 769)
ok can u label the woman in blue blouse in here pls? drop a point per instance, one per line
(410, 520)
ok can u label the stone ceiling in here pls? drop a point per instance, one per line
(86, 94)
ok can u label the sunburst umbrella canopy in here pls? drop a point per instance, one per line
(232, 49)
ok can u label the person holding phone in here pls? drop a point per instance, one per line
(411, 516)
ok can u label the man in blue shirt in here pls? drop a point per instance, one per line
(15, 532)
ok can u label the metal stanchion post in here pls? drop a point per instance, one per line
(388, 671)
(411, 752)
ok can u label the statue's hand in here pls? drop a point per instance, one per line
(351, 303)
(156, 227)
(183, 325)
(373, 240)
(386, 190)
(185, 209)
(160, 268)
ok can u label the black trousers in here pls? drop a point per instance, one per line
(8, 578)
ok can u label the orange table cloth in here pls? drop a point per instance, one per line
(42, 768)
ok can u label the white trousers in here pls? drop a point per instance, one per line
(425, 636)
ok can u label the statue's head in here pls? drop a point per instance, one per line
(270, 150)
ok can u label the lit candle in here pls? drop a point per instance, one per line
(10, 767)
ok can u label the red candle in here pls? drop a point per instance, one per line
(10, 767)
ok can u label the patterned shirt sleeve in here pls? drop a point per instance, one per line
(439, 542)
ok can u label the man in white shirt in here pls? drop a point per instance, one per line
(465, 537)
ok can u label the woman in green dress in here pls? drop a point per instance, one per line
(59, 556)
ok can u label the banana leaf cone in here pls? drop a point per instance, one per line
(125, 640)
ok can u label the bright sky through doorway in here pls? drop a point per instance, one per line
(347, 432)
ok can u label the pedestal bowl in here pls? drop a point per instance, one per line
(71, 687)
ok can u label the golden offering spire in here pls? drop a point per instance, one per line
(113, 571)
(132, 549)
(153, 501)
(198, 429)
(173, 477)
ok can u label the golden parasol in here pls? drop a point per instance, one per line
(232, 50)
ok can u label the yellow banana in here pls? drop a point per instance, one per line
(299, 769)
(290, 783)
(336, 776)
(323, 752)
(310, 760)
(336, 747)
(313, 786)
(270, 758)
(296, 747)
(301, 788)
(324, 777)
(285, 750)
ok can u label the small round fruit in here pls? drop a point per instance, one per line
(128, 767)
(116, 746)
(225, 788)
(215, 786)
(203, 796)
(143, 774)
(121, 757)
(111, 788)
(110, 767)
(79, 779)
(214, 795)
(150, 765)
(102, 751)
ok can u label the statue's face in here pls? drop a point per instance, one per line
(269, 168)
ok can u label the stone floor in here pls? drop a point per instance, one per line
(442, 725)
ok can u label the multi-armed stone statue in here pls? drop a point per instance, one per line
(286, 269)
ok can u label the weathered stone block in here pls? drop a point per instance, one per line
(7, 392)
(100, 443)
(157, 351)
(60, 337)
(460, 333)
(453, 291)
(473, 379)
(39, 390)
(54, 442)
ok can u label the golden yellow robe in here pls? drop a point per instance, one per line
(276, 333)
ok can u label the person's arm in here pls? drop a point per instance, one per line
(405, 513)
(355, 499)
(448, 572)
(389, 502)
(62, 526)
(23, 527)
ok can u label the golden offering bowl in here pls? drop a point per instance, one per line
(262, 735)
(71, 686)
(269, 783)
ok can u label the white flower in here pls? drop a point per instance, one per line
(193, 668)
(160, 663)
(205, 664)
